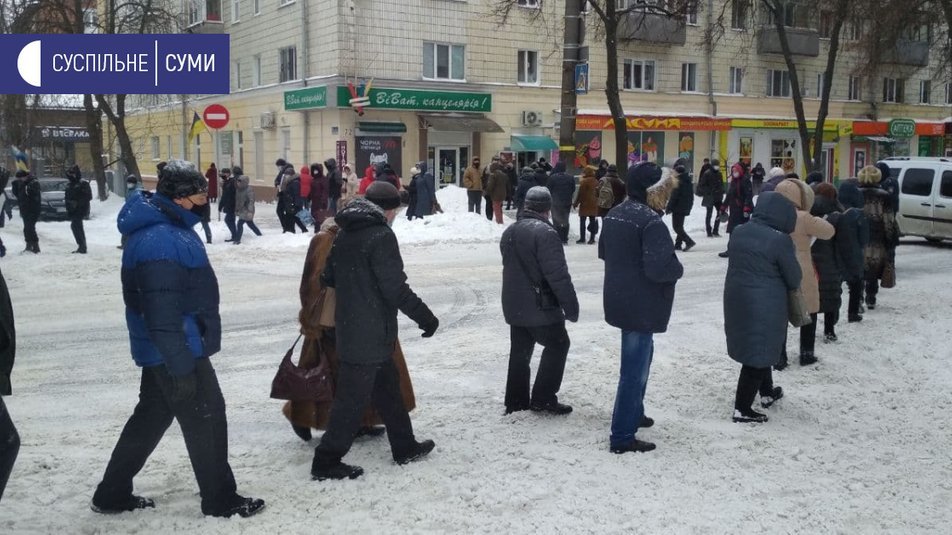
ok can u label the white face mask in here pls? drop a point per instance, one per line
(716, 167)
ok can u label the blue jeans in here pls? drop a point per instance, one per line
(637, 350)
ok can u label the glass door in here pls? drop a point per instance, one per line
(447, 165)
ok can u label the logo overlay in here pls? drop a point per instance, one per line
(110, 64)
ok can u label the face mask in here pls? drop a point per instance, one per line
(130, 186)
(716, 168)
(197, 209)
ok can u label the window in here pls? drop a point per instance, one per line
(945, 187)
(168, 143)
(286, 2)
(893, 89)
(156, 148)
(690, 16)
(528, 3)
(256, 70)
(528, 67)
(736, 84)
(238, 75)
(855, 89)
(852, 30)
(90, 20)
(257, 6)
(199, 11)
(443, 62)
(820, 77)
(285, 142)
(783, 154)
(235, 10)
(920, 33)
(925, 91)
(826, 24)
(288, 64)
(639, 75)
(740, 14)
(689, 77)
(948, 93)
(918, 182)
(790, 13)
(778, 83)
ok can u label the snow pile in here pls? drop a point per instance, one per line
(454, 225)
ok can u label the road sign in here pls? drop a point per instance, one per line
(215, 116)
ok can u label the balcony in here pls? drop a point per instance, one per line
(207, 26)
(652, 28)
(802, 41)
(911, 53)
(204, 16)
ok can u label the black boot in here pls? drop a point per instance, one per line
(133, 503)
(552, 407)
(748, 416)
(768, 400)
(243, 507)
(303, 432)
(782, 363)
(807, 358)
(338, 470)
(635, 445)
(419, 451)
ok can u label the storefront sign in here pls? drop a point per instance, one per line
(599, 122)
(418, 100)
(882, 128)
(63, 133)
(901, 128)
(342, 153)
(372, 150)
(305, 99)
(828, 126)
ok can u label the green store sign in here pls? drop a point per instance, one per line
(306, 99)
(418, 100)
(902, 128)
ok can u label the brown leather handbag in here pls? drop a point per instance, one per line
(294, 383)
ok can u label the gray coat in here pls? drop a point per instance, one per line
(531, 253)
(244, 199)
(762, 268)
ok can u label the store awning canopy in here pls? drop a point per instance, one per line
(521, 143)
(881, 139)
(366, 126)
(461, 123)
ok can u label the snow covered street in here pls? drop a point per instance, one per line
(859, 444)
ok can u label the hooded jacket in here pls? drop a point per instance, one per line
(366, 270)
(526, 182)
(889, 184)
(227, 201)
(561, 186)
(852, 232)
(319, 196)
(711, 187)
(587, 199)
(762, 269)
(244, 199)
(29, 199)
(168, 285)
(682, 199)
(366, 181)
(77, 197)
(334, 180)
(497, 187)
(808, 227)
(8, 338)
(306, 181)
(425, 192)
(473, 178)
(739, 199)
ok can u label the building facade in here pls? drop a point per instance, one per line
(446, 80)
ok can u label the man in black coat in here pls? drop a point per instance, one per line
(29, 202)
(680, 204)
(226, 202)
(711, 188)
(537, 297)
(562, 188)
(78, 194)
(366, 271)
(334, 181)
(510, 170)
(9, 439)
(641, 270)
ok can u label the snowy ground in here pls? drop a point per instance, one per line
(859, 445)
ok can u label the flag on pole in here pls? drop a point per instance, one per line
(197, 126)
(20, 158)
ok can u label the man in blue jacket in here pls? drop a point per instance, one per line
(9, 439)
(171, 297)
(641, 270)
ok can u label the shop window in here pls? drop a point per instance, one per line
(528, 67)
(855, 89)
(689, 77)
(639, 74)
(740, 14)
(925, 91)
(945, 187)
(288, 64)
(736, 86)
(893, 89)
(778, 83)
(443, 61)
(783, 154)
(918, 182)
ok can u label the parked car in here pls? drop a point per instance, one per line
(925, 196)
(52, 198)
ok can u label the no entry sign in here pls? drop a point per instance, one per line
(215, 116)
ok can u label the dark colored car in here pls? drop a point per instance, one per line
(52, 198)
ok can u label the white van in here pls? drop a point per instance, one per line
(925, 196)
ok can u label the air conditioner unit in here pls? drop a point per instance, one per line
(266, 120)
(532, 118)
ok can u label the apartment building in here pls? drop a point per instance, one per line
(366, 81)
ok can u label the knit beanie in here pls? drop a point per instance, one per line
(869, 175)
(640, 178)
(538, 199)
(384, 195)
(775, 172)
(181, 179)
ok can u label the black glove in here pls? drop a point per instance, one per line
(430, 328)
(183, 388)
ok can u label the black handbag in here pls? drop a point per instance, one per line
(294, 383)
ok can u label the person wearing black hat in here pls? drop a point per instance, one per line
(9, 439)
(710, 187)
(172, 313)
(78, 195)
(366, 271)
(680, 206)
(641, 270)
(537, 297)
(29, 203)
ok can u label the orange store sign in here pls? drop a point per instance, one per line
(600, 122)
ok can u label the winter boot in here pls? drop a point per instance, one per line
(303, 432)
(551, 407)
(419, 451)
(133, 503)
(337, 470)
(36, 247)
(807, 358)
(635, 445)
(870, 302)
(689, 245)
(3, 250)
(749, 416)
(854, 318)
(243, 507)
(770, 399)
(646, 422)
(830, 337)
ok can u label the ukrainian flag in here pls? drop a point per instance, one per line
(197, 126)
(20, 157)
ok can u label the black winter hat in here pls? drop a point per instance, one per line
(383, 194)
(181, 179)
(21, 173)
(538, 199)
(641, 177)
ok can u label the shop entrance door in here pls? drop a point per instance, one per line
(449, 163)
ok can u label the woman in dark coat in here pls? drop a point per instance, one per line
(319, 195)
(762, 269)
(425, 192)
(412, 192)
(826, 261)
(710, 188)
(740, 198)
(852, 235)
(883, 230)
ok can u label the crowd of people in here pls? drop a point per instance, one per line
(790, 243)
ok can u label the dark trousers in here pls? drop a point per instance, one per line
(358, 385)
(715, 211)
(489, 207)
(474, 201)
(677, 221)
(555, 342)
(241, 229)
(509, 201)
(592, 227)
(29, 230)
(751, 381)
(872, 288)
(204, 428)
(332, 206)
(208, 231)
(808, 332)
(560, 220)
(230, 223)
(6, 210)
(79, 234)
(856, 297)
(9, 446)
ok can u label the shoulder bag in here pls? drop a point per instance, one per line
(294, 383)
(797, 309)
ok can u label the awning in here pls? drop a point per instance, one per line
(521, 143)
(365, 126)
(461, 123)
(881, 139)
